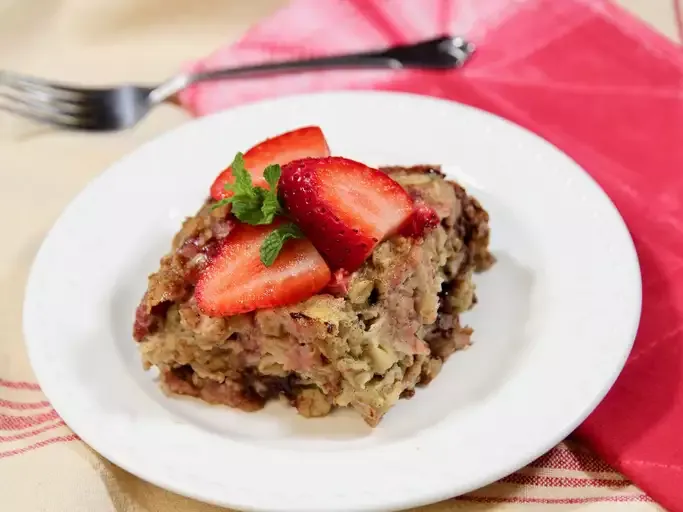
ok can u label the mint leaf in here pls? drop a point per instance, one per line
(274, 242)
(247, 208)
(250, 204)
(242, 185)
(270, 207)
(272, 176)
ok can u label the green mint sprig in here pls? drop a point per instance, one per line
(258, 206)
(274, 242)
(250, 204)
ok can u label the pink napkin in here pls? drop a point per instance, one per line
(586, 76)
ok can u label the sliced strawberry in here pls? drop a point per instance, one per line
(236, 281)
(344, 207)
(304, 142)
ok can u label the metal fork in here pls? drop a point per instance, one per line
(121, 107)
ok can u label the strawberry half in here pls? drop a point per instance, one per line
(236, 281)
(301, 143)
(344, 207)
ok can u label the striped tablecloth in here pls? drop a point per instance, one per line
(569, 474)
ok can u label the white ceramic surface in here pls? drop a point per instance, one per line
(555, 321)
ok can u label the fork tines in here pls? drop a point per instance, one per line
(44, 101)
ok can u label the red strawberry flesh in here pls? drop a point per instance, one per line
(304, 142)
(236, 281)
(344, 207)
(422, 220)
(339, 283)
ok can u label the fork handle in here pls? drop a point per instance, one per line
(440, 53)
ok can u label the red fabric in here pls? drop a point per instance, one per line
(598, 84)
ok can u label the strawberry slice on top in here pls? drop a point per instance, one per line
(237, 281)
(344, 207)
(308, 141)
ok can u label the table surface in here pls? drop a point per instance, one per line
(102, 42)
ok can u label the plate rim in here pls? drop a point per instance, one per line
(404, 503)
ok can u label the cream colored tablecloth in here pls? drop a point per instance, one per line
(101, 42)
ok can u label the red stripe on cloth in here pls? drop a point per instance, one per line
(566, 482)
(28, 386)
(555, 501)
(561, 458)
(22, 406)
(25, 435)
(41, 444)
(23, 422)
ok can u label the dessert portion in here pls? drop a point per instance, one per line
(315, 279)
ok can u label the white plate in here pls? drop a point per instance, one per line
(555, 322)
